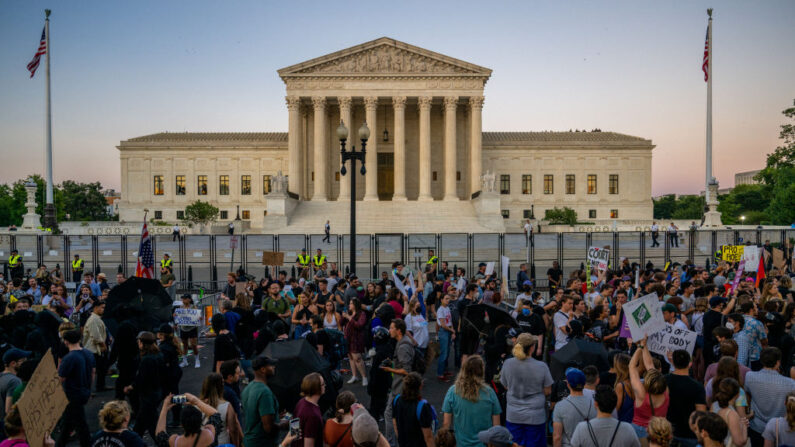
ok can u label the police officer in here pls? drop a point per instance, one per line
(319, 259)
(432, 259)
(15, 267)
(77, 269)
(302, 262)
(166, 261)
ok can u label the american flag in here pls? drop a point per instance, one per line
(34, 64)
(146, 257)
(705, 63)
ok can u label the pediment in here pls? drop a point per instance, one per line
(384, 57)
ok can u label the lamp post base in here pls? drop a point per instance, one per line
(49, 217)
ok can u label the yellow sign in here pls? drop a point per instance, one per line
(732, 253)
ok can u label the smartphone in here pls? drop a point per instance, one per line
(179, 399)
(295, 427)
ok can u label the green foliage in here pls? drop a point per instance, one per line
(684, 207)
(744, 200)
(778, 177)
(200, 213)
(84, 201)
(561, 216)
(81, 201)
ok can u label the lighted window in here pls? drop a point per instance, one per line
(266, 184)
(505, 184)
(527, 184)
(592, 214)
(613, 183)
(158, 184)
(245, 185)
(614, 214)
(591, 183)
(223, 185)
(202, 185)
(548, 186)
(245, 214)
(570, 184)
(180, 185)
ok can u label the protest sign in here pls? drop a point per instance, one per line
(240, 287)
(187, 317)
(732, 253)
(489, 268)
(272, 258)
(624, 331)
(398, 283)
(599, 257)
(672, 338)
(778, 259)
(737, 275)
(505, 262)
(42, 402)
(644, 316)
(751, 255)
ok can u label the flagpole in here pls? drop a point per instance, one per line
(709, 110)
(49, 207)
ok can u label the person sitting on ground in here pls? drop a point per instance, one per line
(191, 422)
(114, 418)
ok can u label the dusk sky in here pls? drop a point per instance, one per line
(126, 69)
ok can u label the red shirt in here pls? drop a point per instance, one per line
(398, 309)
(311, 422)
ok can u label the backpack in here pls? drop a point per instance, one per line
(434, 415)
(339, 349)
(418, 361)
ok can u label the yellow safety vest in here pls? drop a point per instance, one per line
(319, 262)
(165, 263)
(432, 260)
(13, 261)
(304, 260)
(77, 265)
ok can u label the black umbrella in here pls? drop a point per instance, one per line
(486, 316)
(296, 359)
(143, 300)
(578, 353)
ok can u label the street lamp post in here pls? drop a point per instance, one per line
(352, 155)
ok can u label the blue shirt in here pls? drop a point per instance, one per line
(231, 320)
(76, 370)
(756, 333)
(743, 348)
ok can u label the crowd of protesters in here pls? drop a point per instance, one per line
(735, 388)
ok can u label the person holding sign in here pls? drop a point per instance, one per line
(189, 334)
(651, 394)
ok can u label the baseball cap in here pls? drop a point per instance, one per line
(262, 361)
(668, 307)
(575, 378)
(716, 301)
(497, 435)
(527, 283)
(364, 429)
(14, 354)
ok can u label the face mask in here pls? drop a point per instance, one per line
(730, 326)
(525, 312)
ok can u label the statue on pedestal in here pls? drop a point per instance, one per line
(488, 182)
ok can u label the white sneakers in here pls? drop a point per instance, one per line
(198, 364)
(364, 381)
(353, 379)
(184, 362)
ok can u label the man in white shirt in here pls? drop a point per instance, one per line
(562, 319)
(174, 232)
(655, 233)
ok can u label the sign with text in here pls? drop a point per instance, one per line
(672, 338)
(599, 257)
(272, 258)
(42, 402)
(188, 317)
(732, 253)
(751, 255)
(644, 316)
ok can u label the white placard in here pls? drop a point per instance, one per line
(71, 285)
(505, 262)
(187, 317)
(27, 253)
(644, 316)
(197, 254)
(290, 254)
(751, 255)
(51, 253)
(672, 338)
(107, 252)
(489, 268)
(453, 254)
(599, 257)
(228, 255)
(398, 283)
(258, 254)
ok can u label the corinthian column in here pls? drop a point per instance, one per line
(371, 159)
(425, 149)
(450, 104)
(476, 139)
(321, 152)
(399, 105)
(295, 164)
(345, 116)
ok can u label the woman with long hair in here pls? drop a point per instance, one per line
(728, 368)
(625, 405)
(229, 432)
(651, 394)
(470, 406)
(727, 392)
(417, 325)
(331, 318)
(355, 336)
(337, 431)
(412, 417)
(114, 418)
(308, 412)
(781, 430)
(302, 315)
(661, 433)
(194, 433)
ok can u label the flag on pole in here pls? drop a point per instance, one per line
(705, 62)
(34, 64)
(146, 257)
(760, 273)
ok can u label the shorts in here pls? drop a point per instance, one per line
(527, 435)
(185, 335)
(641, 432)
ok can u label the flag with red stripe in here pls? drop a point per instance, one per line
(146, 256)
(760, 273)
(705, 62)
(34, 64)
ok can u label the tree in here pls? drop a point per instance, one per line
(664, 206)
(200, 213)
(744, 200)
(561, 216)
(683, 207)
(778, 176)
(83, 201)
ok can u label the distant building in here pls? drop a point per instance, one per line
(746, 178)
(111, 201)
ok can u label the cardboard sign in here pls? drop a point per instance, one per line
(672, 338)
(751, 255)
(240, 287)
(644, 316)
(732, 253)
(187, 317)
(43, 402)
(272, 258)
(599, 257)
(778, 259)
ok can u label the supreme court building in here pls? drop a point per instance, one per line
(430, 166)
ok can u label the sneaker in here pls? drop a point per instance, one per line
(364, 381)
(183, 363)
(198, 364)
(353, 380)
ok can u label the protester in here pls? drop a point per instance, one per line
(470, 406)
(604, 430)
(189, 335)
(95, 339)
(191, 416)
(728, 390)
(660, 432)
(766, 388)
(651, 394)
(572, 410)
(147, 384)
(412, 416)
(781, 430)
(114, 418)
(229, 430)
(686, 396)
(337, 431)
(355, 331)
(14, 431)
(76, 370)
(260, 407)
(232, 374)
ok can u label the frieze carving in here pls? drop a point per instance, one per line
(338, 84)
(386, 59)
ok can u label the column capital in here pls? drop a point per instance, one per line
(319, 102)
(425, 102)
(399, 102)
(293, 102)
(450, 102)
(476, 102)
(371, 103)
(345, 102)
